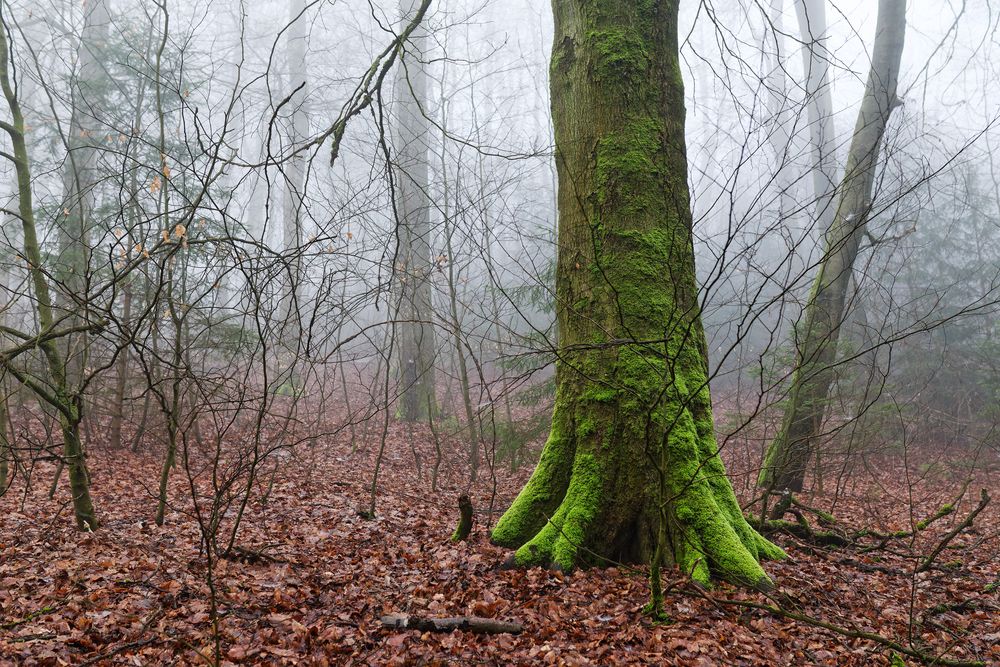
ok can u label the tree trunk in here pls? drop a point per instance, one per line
(632, 428)
(811, 15)
(789, 453)
(413, 263)
(5, 454)
(56, 393)
(79, 183)
(780, 136)
(294, 191)
(121, 377)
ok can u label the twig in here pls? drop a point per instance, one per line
(846, 632)
(32, 638)
(118, 649)
(32, 616)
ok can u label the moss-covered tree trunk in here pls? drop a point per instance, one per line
(632, 429)
(789, 453)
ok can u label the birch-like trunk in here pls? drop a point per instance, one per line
(811, 15)
(80, 182)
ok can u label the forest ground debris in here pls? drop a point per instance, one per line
(137, 591)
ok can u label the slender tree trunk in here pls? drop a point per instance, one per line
(121, 379)
(456, 320)
(789, 453)
(294, 190)
(777, 100)
(416, 344)
(173, 407)
(632, 434)
(59, 395)
(5, 454)
(134, 217)
(79, 184)
(463, 368)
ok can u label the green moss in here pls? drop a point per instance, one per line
(600, 393)
(945, 510)
(775, 452)
(586, 427)
(717, 536)
(559, 541)
(538, 550)
(585, 498)
(621, 56)
(542, 494)
(628, 166)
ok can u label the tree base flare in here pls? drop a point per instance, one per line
(707, 535)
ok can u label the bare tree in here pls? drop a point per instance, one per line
(56, 391)
(789, 453)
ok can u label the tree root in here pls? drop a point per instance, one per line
(801, 529)
(923, 524)
(984, 500)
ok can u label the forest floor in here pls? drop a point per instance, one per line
(314, 577)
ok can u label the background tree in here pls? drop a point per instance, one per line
(824, 314)
(413, 267)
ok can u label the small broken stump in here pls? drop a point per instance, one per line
(478, 624)
(465, 519)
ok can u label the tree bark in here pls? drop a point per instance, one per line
(632, 433)
(416, 345)
(789, 453)
(464, 520)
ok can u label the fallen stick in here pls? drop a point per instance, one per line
(478, 624)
